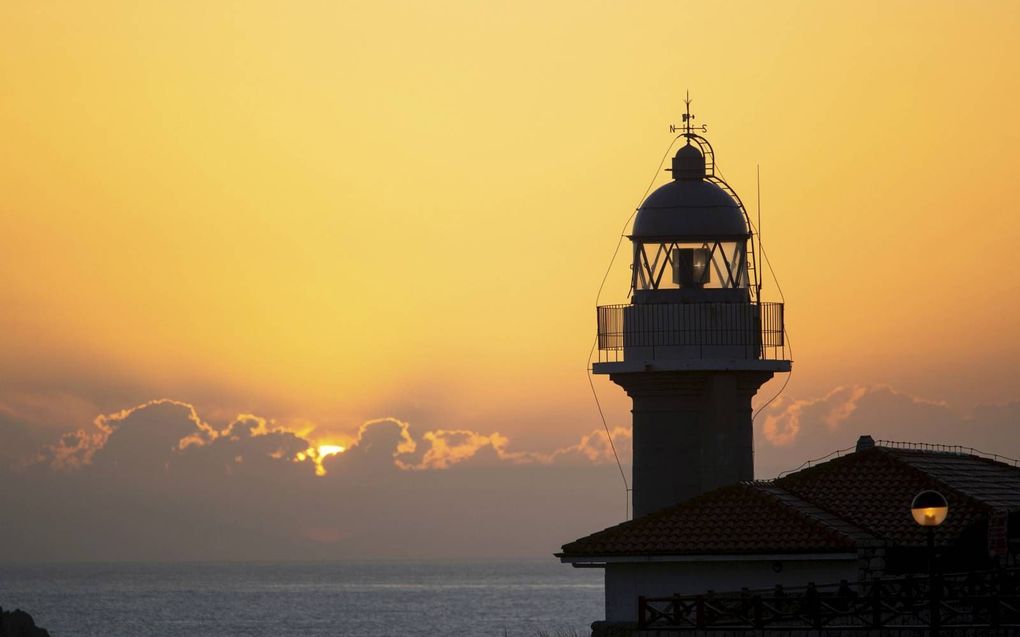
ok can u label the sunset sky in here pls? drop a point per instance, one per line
(325, 214)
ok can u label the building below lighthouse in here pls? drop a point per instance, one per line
(843, 525)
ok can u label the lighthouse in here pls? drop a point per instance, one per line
(696, 342)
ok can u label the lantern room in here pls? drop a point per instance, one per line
(690, 240)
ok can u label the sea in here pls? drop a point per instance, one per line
(522, 598)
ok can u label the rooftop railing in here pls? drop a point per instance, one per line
(911, 446)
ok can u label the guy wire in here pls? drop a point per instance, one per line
(598, 297)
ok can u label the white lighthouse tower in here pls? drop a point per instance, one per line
(696, 342)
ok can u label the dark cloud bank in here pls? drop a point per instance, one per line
(157, 483)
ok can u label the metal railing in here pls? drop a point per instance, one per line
(911, 446)
(988, 599)
(958, 449)
(749, 330)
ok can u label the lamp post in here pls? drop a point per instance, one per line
(930, 509)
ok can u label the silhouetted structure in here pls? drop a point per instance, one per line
(696, 343)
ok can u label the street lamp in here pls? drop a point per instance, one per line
(930, 509)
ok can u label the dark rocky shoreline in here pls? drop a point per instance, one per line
(18, 623)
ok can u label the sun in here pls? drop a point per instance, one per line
(319, 453)
(329, 450)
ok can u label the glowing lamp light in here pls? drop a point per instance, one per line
(929, 508)
(690, 267)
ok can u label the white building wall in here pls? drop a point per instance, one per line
(625, 582)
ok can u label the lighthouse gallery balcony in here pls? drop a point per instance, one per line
(691, 335)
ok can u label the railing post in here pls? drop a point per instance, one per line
(642, 621)
(876, 605)
(650, 318)
(933, 585)
(994, 602)
(699, 612)
(759, 621)
(699, 331)
(814, 609)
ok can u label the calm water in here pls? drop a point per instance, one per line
(363, 599)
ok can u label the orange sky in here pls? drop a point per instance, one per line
(339, 212)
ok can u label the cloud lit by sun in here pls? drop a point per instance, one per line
(318, 453)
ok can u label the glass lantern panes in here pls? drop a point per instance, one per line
(685, 265)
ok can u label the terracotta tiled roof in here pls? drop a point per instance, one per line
(859, 499)
(994, 483)
(739, 519)
(873, 488)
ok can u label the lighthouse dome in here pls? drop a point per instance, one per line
(689, 206)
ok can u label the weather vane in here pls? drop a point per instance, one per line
(687, 127)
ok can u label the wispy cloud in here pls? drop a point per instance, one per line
(782, 422)
(794, 430)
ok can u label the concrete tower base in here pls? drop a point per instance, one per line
(692, 432)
